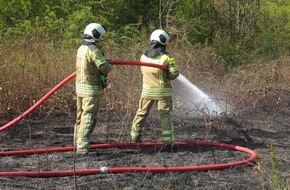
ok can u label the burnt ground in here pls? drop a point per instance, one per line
(266, 131)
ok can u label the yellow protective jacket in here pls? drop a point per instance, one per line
(91, 67)
(156, 82)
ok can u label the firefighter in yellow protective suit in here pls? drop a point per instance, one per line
(91, 72)
(156, 88)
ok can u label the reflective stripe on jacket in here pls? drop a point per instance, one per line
(156, 82)
(90, 65)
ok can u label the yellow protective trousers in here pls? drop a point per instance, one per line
(87, 110)
(164, 106)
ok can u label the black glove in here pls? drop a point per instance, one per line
(103, 81)
(109, 61)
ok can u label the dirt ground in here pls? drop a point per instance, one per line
(266, 130)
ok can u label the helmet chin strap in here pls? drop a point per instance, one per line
(90, 40)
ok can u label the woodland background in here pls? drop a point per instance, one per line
(239, 30)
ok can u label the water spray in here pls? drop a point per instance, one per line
(191, 101)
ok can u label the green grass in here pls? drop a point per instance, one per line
(270, 177)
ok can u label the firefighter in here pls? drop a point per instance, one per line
(156, 88)
(91, 78)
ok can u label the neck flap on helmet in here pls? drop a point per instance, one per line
(155, 48)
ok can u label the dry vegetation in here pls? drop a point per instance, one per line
(258, 95)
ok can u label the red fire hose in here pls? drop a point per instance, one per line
(66, 80)
(104, 169)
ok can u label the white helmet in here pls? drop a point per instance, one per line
(160, 35)
(95, 30)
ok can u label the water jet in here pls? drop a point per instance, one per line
(190, 101)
